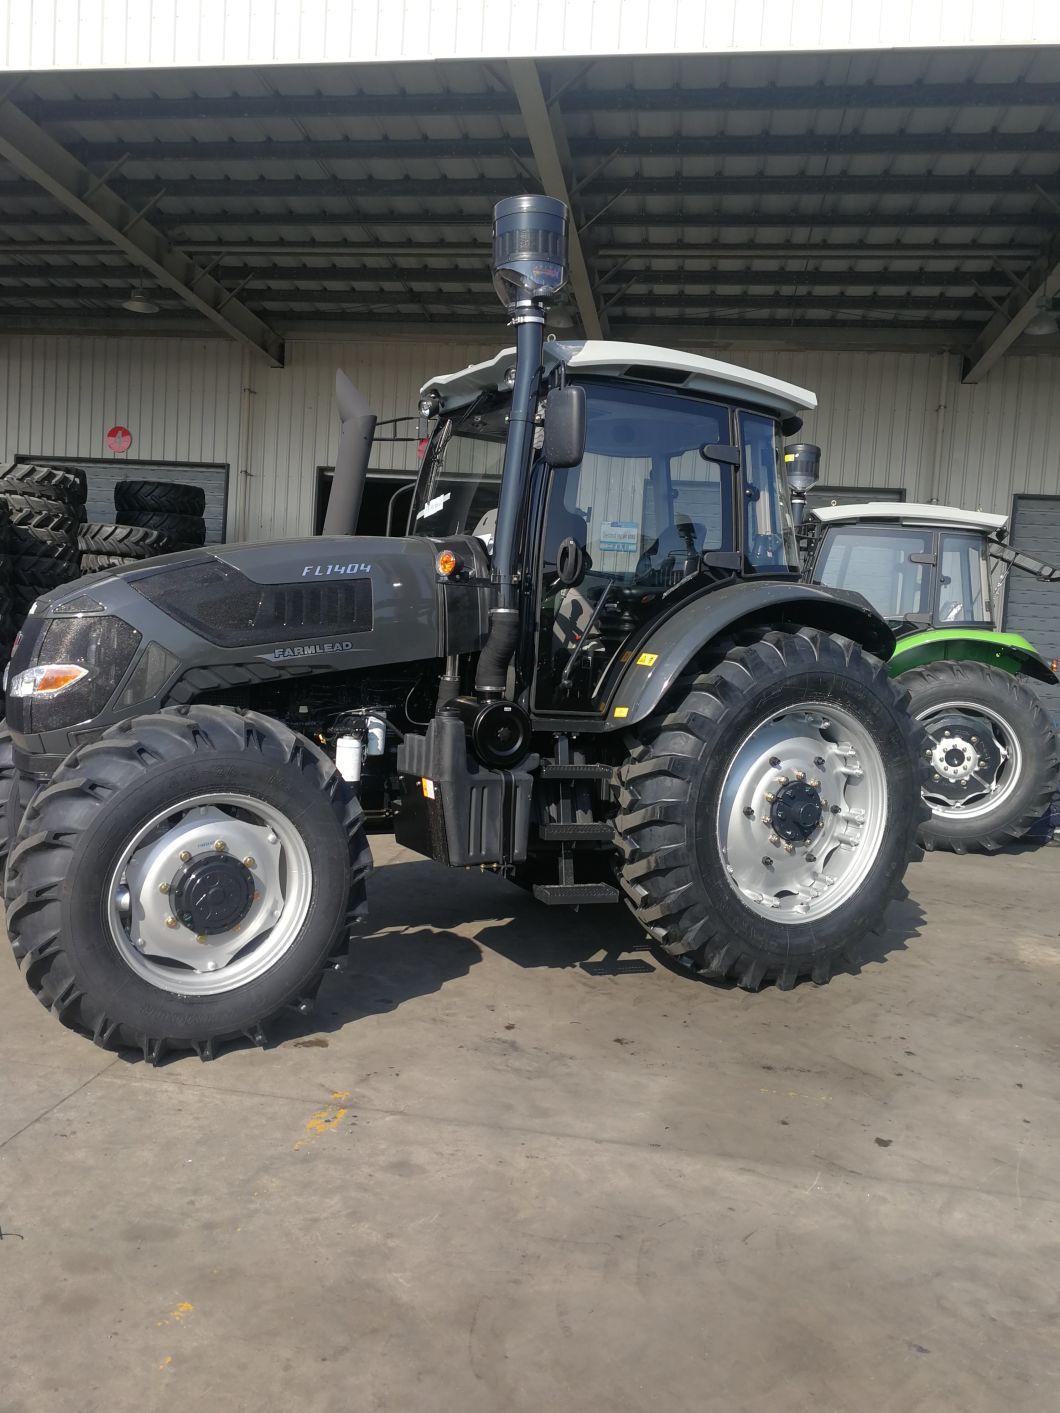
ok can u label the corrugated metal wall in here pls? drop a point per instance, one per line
(878, 421)
(70, 34)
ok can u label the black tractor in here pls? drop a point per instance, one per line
(589, 666)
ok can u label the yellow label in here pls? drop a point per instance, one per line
(621, 711)
(789, 456)
(428, 787)
(647, 659)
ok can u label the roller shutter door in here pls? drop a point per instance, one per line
(1031, 607)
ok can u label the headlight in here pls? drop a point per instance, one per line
(47, 680)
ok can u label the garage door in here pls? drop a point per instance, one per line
(1031, 607)
(104, 475)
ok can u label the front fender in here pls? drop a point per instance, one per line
(651, 669)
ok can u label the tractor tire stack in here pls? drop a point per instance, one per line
(153, 517)
(42, 507)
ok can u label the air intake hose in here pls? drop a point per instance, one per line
(351, 459)
(491, 676)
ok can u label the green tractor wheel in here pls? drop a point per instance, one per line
(993, 755)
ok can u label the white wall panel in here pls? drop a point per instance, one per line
(180, 398)
(112, 34)
(877, 421)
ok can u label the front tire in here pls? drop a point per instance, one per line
(768, 819)
(993, 766)
(185, 879)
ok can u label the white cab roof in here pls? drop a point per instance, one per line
(909, 513)
(602, 356)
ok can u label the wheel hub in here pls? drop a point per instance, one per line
(213, 894)
(965, 759)
(796, 812)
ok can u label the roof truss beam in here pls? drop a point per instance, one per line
(43, 161)
(725, 98)
(603, 184)
(545, 143)
(686, 278)
(896, 144)
(1035, 295)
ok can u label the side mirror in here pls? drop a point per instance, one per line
(565, 426)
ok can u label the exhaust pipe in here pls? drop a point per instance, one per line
(351, 459)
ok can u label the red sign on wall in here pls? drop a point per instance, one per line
(118, 439)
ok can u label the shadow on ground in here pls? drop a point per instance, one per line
(412, 947)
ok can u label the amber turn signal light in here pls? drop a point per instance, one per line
(447, 563)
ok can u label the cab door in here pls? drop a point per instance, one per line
(623, 529)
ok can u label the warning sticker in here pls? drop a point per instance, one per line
(620, 535)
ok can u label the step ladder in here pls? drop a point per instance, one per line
(569, 833)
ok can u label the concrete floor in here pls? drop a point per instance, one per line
(493, 1181)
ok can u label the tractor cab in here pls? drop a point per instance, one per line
(920, 566)
(676, 487)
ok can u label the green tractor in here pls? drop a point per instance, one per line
(927, 570)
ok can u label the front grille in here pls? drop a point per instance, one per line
(225, 607)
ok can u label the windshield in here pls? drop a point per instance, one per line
(461, 484)
(887, 565)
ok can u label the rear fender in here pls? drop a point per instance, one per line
(1009, 651)
(651, 669)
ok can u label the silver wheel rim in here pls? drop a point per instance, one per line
(828, 749)
(987, 791)
(161, 949)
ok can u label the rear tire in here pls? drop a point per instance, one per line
(695, 827)
(79, 903)
(187, 529)
(991, 714)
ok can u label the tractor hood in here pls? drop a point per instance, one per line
(167, 630)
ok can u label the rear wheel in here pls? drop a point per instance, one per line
(768, 819)
(185, 879)
(993, 763)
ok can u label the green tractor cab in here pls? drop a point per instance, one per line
(934, 572)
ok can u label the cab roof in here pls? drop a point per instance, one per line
(642, 362)
(909, 513)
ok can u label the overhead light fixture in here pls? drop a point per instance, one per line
(138, 302)
(1043, 324)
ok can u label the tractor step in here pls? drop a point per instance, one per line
(574, 894)
(574, 832)
(575, 772)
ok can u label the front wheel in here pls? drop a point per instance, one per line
(768, 819)
(993, 757)
(184, 879)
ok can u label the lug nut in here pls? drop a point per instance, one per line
(819, 762)
(815, 784)
(789, 848)
(769, 797)
(935, 776)
(774, 839)
(219, 846)
(767, 861)
(172, 922)
(774, 761)
(811, 858)
(250, 862)
(800, 775)
(782, 779)
(835, 808)
(163, 887)
(201, 938)
(184, 856)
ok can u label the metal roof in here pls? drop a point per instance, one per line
(910, 513)
(868, 199)
(611, 356)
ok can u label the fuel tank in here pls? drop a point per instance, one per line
(166, 630)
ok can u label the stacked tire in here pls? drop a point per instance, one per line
(153, 517)
(43, 507)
